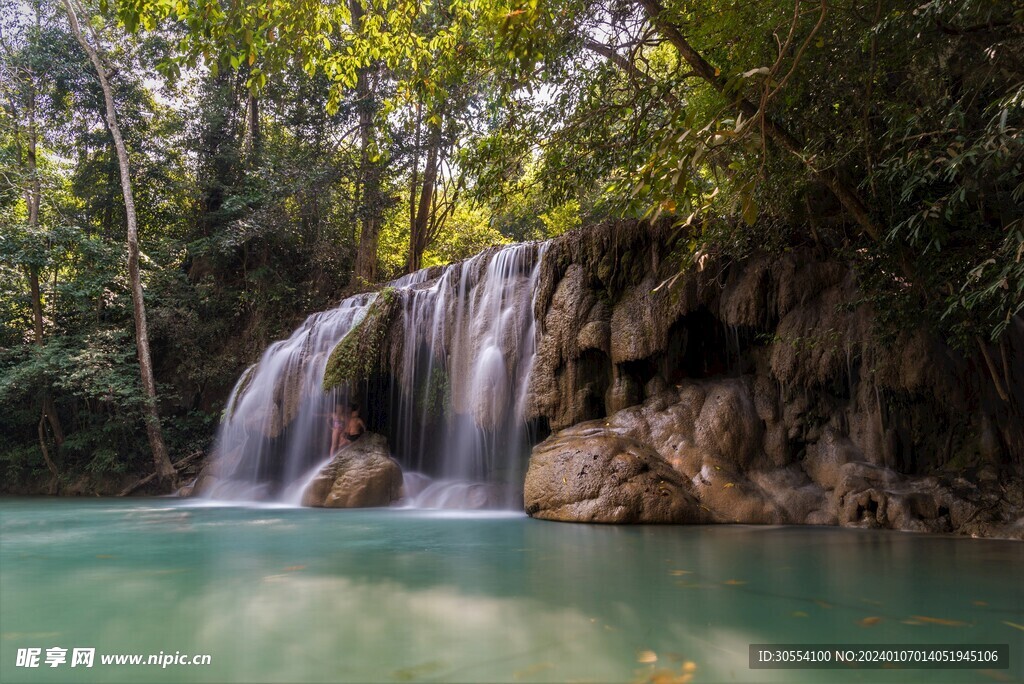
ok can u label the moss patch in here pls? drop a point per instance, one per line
(361, 351)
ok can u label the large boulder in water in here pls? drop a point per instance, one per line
(361, 475)
(589, 475)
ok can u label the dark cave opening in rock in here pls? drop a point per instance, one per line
(701, 346)
(593, 374)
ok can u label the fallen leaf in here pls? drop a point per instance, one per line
(727, 485)
(661, 677)
(646, 657)
(1014, 625)
(869, 621)
(939, 621)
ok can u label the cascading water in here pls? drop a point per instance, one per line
(452, 407)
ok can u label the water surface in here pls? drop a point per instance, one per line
(303, 595)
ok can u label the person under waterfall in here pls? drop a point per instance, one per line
(344, 430)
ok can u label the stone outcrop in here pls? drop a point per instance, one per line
(587, 474)
(361, 475)
(766, 388)
(696, 453)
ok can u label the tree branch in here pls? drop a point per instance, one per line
(847, 195)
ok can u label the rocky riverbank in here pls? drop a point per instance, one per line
(758, 391)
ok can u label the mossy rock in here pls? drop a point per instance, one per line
(362, 351)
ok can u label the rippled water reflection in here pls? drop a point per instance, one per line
(299, 595)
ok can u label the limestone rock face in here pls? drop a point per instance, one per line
(769, 389)
(699, 453)
(587, 475)
(361, 475)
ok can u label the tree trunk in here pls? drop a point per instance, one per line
(419, 239)
(846, 194)
(37, 303)
(369, 207)
(164, 469)
(254, 134)
(413, 186)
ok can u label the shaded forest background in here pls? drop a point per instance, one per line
(284, 155)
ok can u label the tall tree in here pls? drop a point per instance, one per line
(370, 206)
(423, 217)
(164, 469)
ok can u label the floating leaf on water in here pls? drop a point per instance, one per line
(646, 657)
(666, 677)
(800, 614)
(869, 621)
(939, 621)
(1014, 625)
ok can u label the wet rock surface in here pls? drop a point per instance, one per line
(587, 474)
(768, 388)
(361, 475)
(695, 453)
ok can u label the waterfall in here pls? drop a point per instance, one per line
(452, 406)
